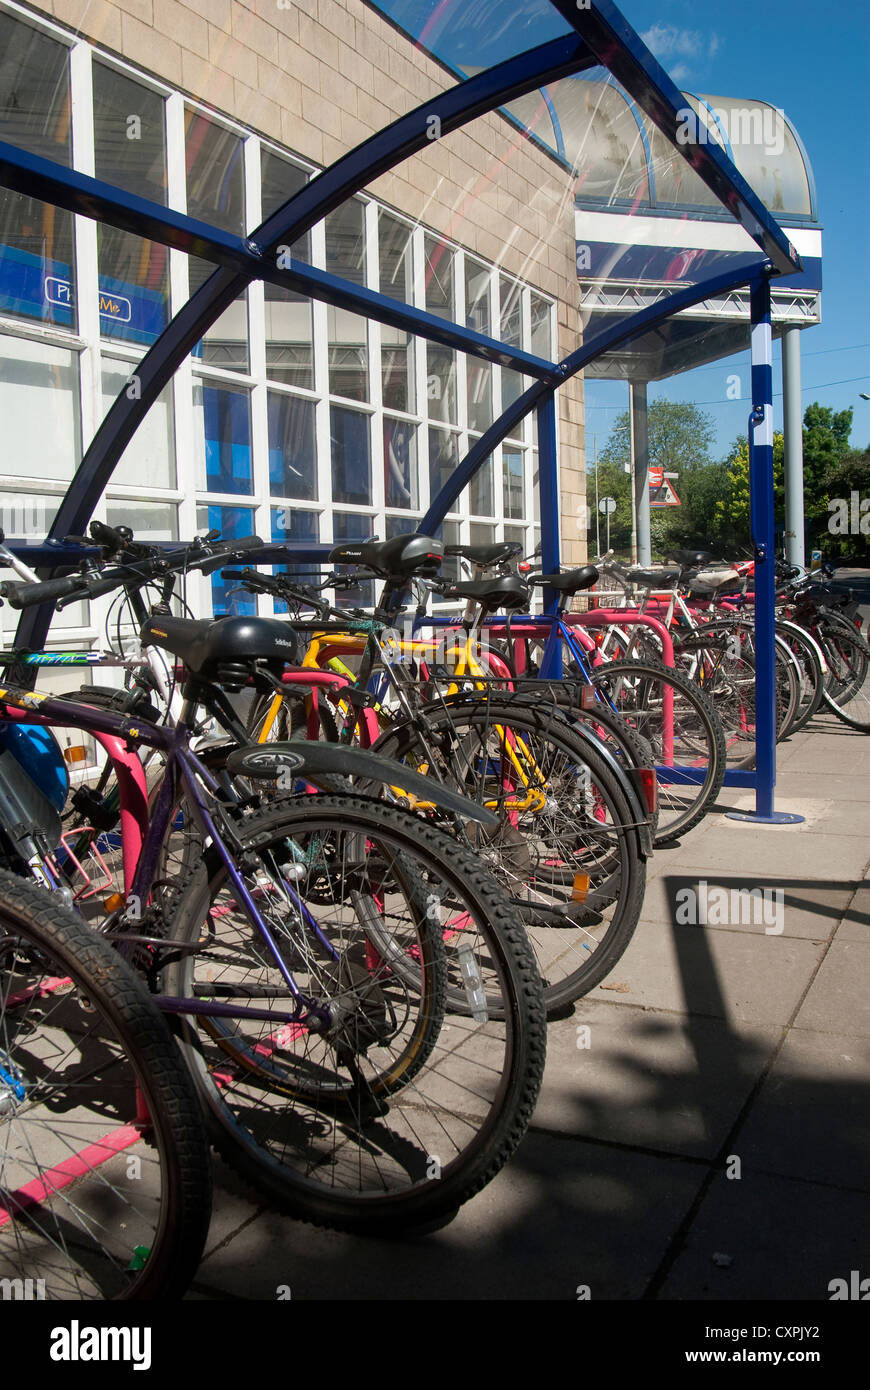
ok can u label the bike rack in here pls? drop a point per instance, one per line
(597, 36)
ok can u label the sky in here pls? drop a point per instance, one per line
(813, 61)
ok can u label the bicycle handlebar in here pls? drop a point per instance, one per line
(72, 587)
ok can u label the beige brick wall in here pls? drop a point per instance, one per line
(319, 76)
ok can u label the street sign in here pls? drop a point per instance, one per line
(607, 505)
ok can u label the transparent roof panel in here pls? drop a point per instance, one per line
(602, 137)
(480, 32)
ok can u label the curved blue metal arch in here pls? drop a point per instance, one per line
(602, 36)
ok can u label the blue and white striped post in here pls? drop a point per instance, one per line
(761, 523)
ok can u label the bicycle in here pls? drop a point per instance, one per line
(105, 1176)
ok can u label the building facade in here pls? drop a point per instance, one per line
(291, 418)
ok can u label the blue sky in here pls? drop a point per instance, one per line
(813, 61)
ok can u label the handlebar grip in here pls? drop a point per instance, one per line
(48, 591)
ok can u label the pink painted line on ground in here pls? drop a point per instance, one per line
(72, 1168)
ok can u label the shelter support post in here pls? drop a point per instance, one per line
(761, 514)
(548, 495)
(794, 448)
(640, 432)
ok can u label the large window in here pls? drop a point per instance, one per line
(293, 420)
(37, 256)
(130, 151)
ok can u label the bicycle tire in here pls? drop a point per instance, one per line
(541, 855)
(80, 1033)
(359, 1154)
(847, 695)
(700, 732)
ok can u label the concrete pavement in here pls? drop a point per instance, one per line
(704, 1129)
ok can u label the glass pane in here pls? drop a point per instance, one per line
(149, 521)
(400, 526)
(346, 242)
(439, 278)
(351, 457)
(37, 258)
(25, 516)
(39, 408)
(514, 493)
(216, 193)
(516, 533)
(449, 532)
(542, 337)
(346, 526)
(348, 354)
(479, 394)
(481, 534)
(395, 249)
(347, 332)
(232, 523)
(477, 281)
(289, 338)
(441, 383)
(292, 448)
(149, 458)
(223, 436)
(294, 524)
(130, 152)
(443, 460)
(397, 365)
(400, 464)
(480, 492)
(510, 298)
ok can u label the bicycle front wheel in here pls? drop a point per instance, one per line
(105, 1178)
(403, 1107)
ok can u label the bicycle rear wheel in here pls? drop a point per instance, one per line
(404, 1107)
(688, 745)
(105, 1179)
(566, 848)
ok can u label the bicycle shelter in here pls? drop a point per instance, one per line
(548, 41)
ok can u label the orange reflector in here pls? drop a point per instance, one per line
(588, 697)
(581, 888)
(76, 753)
(113, 902)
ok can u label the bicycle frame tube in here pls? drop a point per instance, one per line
(117, 733)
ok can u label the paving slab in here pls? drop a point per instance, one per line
(840, 994)
(754, 850)
(564, 1214)
(745, 976)
(855, 925)
(811, 1118)
(810, 908)
(655, 1080)
(787, 1240)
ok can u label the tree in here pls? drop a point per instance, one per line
(731, 514)
(826, 445)
(680, 436)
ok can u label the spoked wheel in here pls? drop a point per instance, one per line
(105, 1179)
(681, 724)
(565, 848)
(847, 688)
(402, 1106)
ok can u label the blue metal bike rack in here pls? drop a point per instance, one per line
(600, 36)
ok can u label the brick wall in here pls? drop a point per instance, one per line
(319, 76)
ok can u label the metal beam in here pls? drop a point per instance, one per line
(54, 183)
